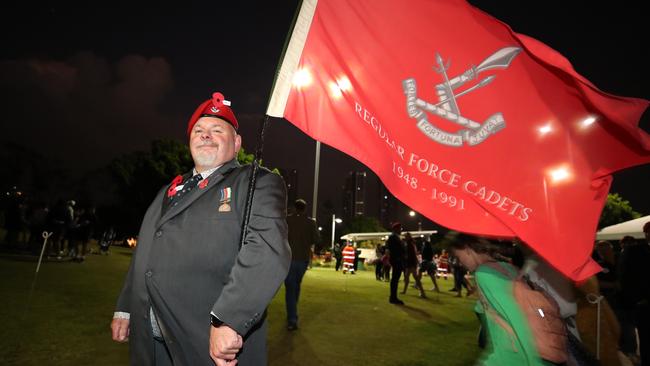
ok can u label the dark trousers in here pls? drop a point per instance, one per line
(338, 263)
(394, 281)
(627, 338)
(459, 278)
(292, 289)
(378, 267)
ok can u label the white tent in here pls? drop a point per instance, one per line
(632, 228)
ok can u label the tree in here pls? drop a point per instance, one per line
(140, 175)
(616, 210)
(363, 224)
(244, 158)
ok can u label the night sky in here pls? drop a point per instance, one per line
(83, 84)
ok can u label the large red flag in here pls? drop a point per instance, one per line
(480, 129)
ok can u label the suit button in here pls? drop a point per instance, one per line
(158, 233)
(148, 273)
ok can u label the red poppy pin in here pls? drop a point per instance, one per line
(172, 189)
(203, 183)
(217, 99)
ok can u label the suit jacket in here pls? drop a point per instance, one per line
(303, 233)
(187, 264)
(395, 248)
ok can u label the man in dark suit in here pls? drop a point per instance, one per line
(191, 295)
(395, 248)
(303, 235)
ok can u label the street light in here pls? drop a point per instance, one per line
(412, 214)
(335, 220)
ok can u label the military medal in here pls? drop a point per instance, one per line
(224, 200)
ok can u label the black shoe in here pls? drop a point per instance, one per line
(396, 301)
(292, 327)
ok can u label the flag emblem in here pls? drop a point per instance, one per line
(447, 106)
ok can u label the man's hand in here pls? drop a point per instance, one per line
(120, 329)
(224, 345)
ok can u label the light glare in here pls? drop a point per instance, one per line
(588, 121)
(335, 90)
(545, 129)
(560, 174)
(344, 83)
(302, 78)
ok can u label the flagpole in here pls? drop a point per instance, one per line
(251, 184)
(316, 170)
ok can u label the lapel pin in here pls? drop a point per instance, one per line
(174, 186)
(203, 183)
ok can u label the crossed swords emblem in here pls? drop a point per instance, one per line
(447, 106)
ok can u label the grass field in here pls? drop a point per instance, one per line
(344, 319)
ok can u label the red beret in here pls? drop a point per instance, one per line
(215, 107)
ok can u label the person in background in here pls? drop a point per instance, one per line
(410, 269)
(303, 236)
(608, 277)
(459, 273)
(84, 232)
(338, 256)
(634, 272)
(509, 338)
(443, 264)
(379, 252)
(385, 265)
(428, 265)
(395, 252)
(349, 253)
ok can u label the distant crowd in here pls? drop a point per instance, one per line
(71, 226)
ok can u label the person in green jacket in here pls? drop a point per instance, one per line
(509, 339)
